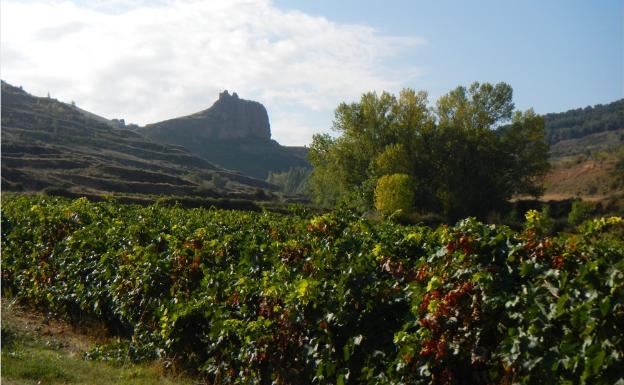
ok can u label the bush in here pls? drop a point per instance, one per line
(427, 219)
(579, 212)
(218, 181)
(394, 194)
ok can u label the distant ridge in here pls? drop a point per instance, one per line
(580, 122)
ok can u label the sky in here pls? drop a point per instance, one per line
(147, 61)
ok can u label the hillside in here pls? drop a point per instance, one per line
(53, 146)
(233, 133)
(599, 141)
(586, 152)
(581, 122)
(593, 177)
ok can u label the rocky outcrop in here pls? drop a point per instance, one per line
(234, 133)
(229, 118)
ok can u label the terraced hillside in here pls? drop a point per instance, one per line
(50, 145)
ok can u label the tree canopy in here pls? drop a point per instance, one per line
(394, 194)
(466, 155)
(584, 121)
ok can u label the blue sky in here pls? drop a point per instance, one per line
(147, 61)
(557, 55)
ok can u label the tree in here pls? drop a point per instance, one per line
(293, 181)
(467, 155)
(393, 159)
(345, 167)
(526, 148)
(479, 106)
(480, 161)
(324, 185)
(394, 193)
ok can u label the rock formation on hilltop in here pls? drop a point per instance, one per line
(234, 133)
(240, 118)
(229, 118)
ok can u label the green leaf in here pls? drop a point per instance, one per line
(593, 362)
(605, 306)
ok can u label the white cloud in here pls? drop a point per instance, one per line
(149, 61)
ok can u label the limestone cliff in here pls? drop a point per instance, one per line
(229, 118)
(234, 133)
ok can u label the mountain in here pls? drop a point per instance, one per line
(234, 133)
(54, 146)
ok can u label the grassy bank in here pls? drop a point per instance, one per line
(40, 351)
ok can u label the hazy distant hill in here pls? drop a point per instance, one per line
(234, 133)
(51, 145)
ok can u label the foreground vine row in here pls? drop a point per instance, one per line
(243, 298)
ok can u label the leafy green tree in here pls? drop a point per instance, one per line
(467, 155)
(479, 106)
(325, 186)
(481, 162)
(345, 167)
(293, 181)
(393, 159)
(524, 143)
(394, 193)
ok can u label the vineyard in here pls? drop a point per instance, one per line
(261, 298)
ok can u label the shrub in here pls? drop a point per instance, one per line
(579, 212)
(218, 181)
(394, 193)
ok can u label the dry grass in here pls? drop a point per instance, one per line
(590, 179)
